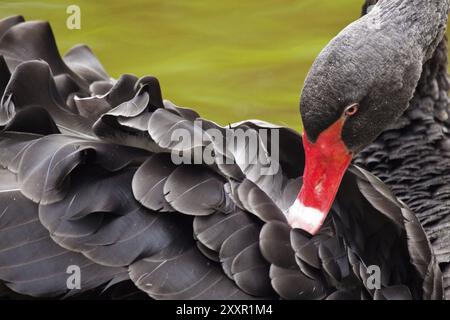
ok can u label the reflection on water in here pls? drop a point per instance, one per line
(230, 60)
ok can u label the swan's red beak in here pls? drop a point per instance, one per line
(327, 159)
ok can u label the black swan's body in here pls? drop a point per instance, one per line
(87, 179)
(413, 157)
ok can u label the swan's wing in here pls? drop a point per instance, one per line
(31, 85)
(8, 22)
(418, 248)
(31, 263)
(76, 91)
(85, 64)
(36, 42)
(59, 175)
(5, 75)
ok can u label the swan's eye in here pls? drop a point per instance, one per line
(352, 109)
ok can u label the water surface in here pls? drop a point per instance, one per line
(231, 60)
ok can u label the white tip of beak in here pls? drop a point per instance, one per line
(305, 218)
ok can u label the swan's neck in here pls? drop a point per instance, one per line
(423, 131)
(420, 22)
(413, 157)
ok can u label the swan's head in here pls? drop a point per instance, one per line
(359, 85)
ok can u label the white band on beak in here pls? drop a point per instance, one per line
(306, 218)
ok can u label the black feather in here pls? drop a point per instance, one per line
(195, 190)
(83, 62)
(149, 180)
(31, 263)
(32, 84)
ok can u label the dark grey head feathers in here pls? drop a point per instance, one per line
(375, 62)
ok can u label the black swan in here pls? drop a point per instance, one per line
(88, 179)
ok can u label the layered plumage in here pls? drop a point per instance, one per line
(413, 156)
(88, 178)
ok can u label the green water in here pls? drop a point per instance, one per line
(231, 60)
